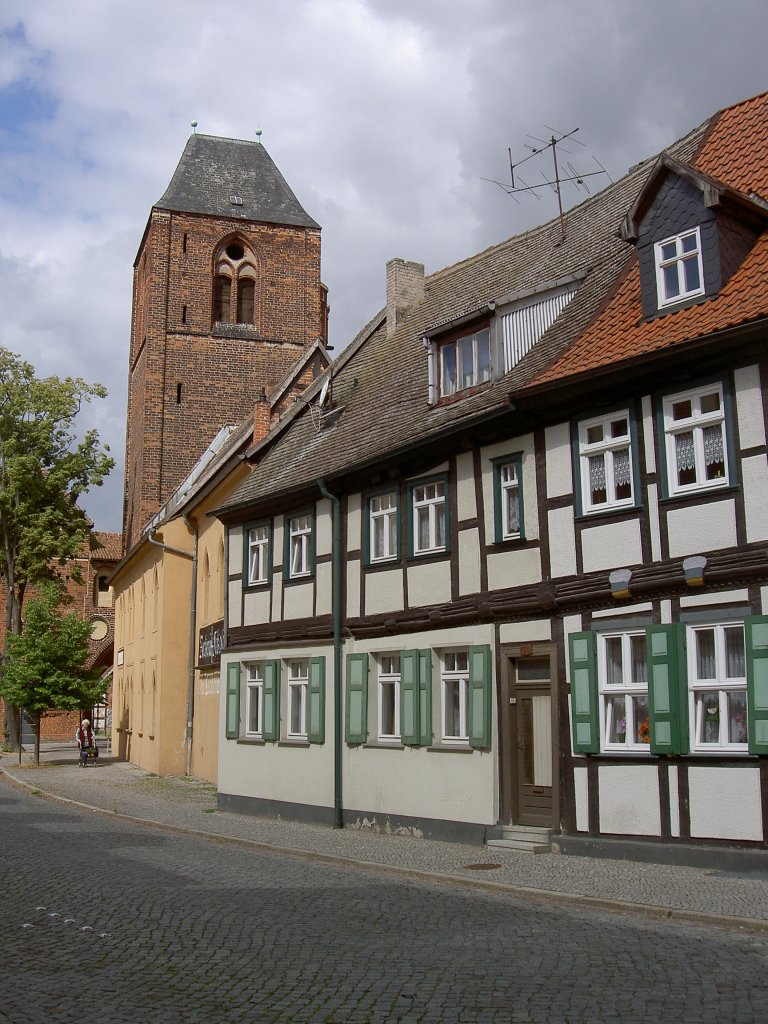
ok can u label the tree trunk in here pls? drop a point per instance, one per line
(11, 727)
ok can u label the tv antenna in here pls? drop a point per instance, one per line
(574, 176)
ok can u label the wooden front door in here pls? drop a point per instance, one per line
(531, 738)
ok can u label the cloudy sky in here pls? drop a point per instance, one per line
(385, 116)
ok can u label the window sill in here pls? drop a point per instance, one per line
(383, 563)
(293, 743)
(258, 585)
(251, 741)
(613, 511)
(289, 581)
(425, 557)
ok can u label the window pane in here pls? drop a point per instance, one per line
(706, 666)
(466, 362)
(685, 455)
(669, 250)
(714, 457)
(595, 433)
(388, 709)
(245, 294)
(452, 708)
(619, 428)
(254, 724)
(737, 717)
(221, 299)
(735, 664)
(642, 724)
(639, 667)
(378, 537)
(392, 526)
(512, 511)
(682, 410)
(622, 474)
(708, 716)
(691, 274)
(616, 719)
(597, 486)
(483, 347)
(689, 243)
(671, 286)
(613, 662)
(422, 528)
(448, 359)
(710, 403)
(440, 525)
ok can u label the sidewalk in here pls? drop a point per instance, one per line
(189, 805)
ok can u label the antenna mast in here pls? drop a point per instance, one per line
(575, 176)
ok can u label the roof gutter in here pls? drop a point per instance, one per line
(337, 703)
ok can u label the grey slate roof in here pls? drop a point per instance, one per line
(382, 382)
(213, 169)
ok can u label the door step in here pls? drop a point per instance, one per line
(523, 838)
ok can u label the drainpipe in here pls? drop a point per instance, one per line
(337, 805)
(192, 555)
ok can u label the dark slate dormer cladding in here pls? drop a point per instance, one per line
(232, 178)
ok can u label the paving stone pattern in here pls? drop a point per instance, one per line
(160, 927)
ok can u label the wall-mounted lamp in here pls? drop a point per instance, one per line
(693, 568)
(619, 580)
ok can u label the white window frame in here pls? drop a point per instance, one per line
(298, 697)
(637, 736)
(510, 490)
(675, 263)
(429, 500)
(383, 526)
(454, 679)
(254, 694)
(474, 345)
(258, 554)
(300, 546)
(722, 685)
(697, 425)
(608, 448)
(389, 687)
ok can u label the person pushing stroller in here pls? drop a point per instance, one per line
(86, 742)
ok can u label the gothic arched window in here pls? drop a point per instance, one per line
(234, 284)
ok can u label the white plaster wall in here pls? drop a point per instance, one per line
(354, 522)
(353, 588)
(429, 584)
(469, 561)
(764, 600)
(652, 503)
(301, 775)
(451, 786)
(383, 591)
(278, 533)
(466, 500)
(629, 799)
(705, 600)
(324, 588)
(233, 604)
(708, 528)
(611, 545)
(617, 610)
(648, 434)
(323, 528)
(562, 542)
(513, 567)
(754, 474)
(725, 802)
(298, 602)
(256, 604)
(523, 444)
(674, 801)
(559, 468)
(525, 632)
(235, 552)
(277, 596)
(436, 639)
(581, 794)
(749, 407)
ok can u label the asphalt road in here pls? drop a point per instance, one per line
(104, 920)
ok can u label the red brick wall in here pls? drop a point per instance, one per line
(187, 382)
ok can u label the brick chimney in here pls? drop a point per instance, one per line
(262, 415)
(405, 289)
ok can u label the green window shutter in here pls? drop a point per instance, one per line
(356, 718)
(667, 689)
(410, 732)
(480, 696)
(425, 697)
(233, 701)
(584, 704)
(756, 629)
(271, 725)
(316, 723)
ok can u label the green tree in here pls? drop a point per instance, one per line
(43, 471)
(45, 663)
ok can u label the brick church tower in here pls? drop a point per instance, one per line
(226, 298)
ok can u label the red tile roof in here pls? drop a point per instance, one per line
(735, 151)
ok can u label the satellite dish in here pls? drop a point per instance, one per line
(324, 391)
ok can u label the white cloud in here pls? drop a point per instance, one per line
(384, 116)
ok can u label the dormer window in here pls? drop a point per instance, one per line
(465, 362)
(679, 272)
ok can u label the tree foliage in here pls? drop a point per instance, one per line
(45, 663)
(43, 471)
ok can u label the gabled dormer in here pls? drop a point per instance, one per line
(691, 232)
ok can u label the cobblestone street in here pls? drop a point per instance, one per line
(150, 926)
